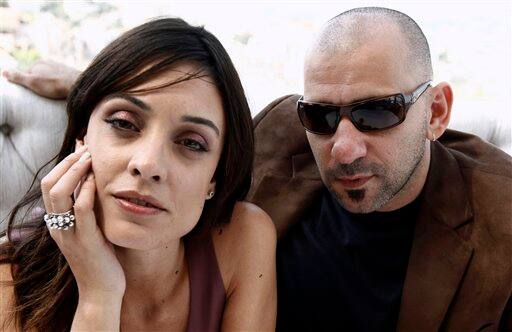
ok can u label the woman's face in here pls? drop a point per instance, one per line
(154, 155)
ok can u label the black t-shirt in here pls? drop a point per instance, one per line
(343, 271)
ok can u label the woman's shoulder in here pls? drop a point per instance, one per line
(7, 297)
(249, 226)
(247, 243)
(249, 217)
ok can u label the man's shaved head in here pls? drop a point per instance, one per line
(353, 28)
(361, 54)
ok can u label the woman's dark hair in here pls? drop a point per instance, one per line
(45, 290)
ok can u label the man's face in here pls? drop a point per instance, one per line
(366, 171)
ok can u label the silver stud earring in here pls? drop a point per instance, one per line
(210, 194)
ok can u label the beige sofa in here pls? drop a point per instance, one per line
(32, 127)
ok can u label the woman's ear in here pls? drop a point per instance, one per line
(78, 144)
(440, 110)
(211, 190)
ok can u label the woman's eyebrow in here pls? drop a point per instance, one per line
(145, 107)
(134, 100)
(201, 121)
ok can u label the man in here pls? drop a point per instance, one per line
(387, 221)
(382, 227)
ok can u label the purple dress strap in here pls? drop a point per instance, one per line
(207, 293)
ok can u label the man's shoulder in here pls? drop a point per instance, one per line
(278, 130)
(285, 176)
(487, 173)
(284, 104)
(474, 154)
(486, 169)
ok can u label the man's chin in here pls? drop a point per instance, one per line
(356, 195)
(355, 200)
(359, 208)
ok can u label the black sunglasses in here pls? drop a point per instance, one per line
(366, 115)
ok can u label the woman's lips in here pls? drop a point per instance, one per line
(354, 182)
(136, 208)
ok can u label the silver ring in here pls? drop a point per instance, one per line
(59, 221)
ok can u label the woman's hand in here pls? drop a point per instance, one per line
(98, 273)
(46, 78)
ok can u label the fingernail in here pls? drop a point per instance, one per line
(84, 157)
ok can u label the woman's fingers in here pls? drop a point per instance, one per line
(84, 206)
(55, 174)
(78, 145)
(60, 193)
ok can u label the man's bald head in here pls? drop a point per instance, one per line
(354, 28)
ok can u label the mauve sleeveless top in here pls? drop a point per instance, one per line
(207, 293)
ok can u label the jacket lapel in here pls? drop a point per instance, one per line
(439, 256)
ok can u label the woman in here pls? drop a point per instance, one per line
(145, 225)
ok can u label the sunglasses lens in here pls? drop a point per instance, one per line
(379, 114)
(318, 118)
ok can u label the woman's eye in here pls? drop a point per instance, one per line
(121, 124)
(193, 145)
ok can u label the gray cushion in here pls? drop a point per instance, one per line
(31, 132)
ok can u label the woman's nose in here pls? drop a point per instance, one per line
(148, 162)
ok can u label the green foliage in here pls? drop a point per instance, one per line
(56, 8)
(25, 56)
(242, 38)
(101, 7)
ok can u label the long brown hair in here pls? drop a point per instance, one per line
(45, 290)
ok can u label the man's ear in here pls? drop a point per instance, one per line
(440, 110)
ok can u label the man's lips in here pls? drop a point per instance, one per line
(355, 181)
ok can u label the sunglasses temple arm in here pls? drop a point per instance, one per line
(416, 94)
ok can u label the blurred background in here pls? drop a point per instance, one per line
(470, 41)
(471, 46)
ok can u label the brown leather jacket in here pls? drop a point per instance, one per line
(459, 276)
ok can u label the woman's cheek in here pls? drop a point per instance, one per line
(192, 195)
(103, 168)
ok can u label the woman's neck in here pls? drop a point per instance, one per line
(152, 276)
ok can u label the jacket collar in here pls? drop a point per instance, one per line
(439, 256)
(445, 196)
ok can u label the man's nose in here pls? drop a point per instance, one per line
(148, 160)
(349, 143)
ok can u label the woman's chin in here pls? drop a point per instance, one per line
(127, 234)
